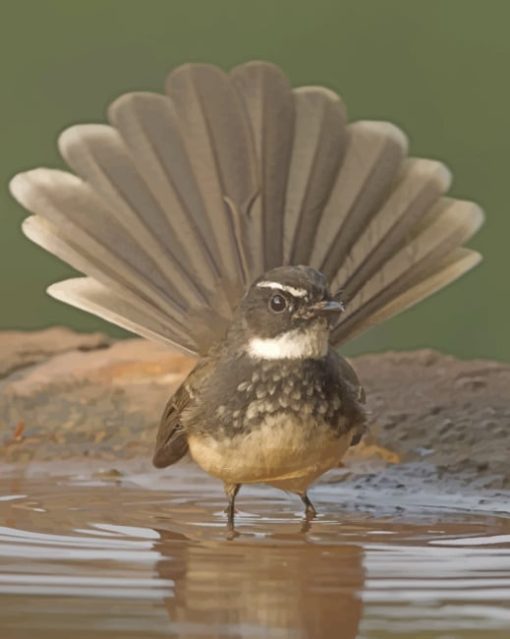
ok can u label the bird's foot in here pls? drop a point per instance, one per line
(231, 532)
(310, 512)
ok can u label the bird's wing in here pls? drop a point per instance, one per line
(356, 394)
(171, 440)
(184, 198)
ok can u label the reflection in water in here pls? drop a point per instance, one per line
(92, 559)
(285, 589)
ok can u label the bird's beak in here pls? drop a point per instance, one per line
(327, 308)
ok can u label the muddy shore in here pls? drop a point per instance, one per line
(66, 396)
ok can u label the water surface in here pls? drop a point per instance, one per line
(93, 556)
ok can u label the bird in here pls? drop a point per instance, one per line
(272, 403)
(250, 225)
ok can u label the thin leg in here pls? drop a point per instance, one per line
(310, 512)
(231, 491)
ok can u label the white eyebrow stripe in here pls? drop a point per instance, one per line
(292, 290)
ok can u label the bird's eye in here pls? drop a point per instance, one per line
(277, 303)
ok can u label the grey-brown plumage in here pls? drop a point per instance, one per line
(185, 198)
(272, 402)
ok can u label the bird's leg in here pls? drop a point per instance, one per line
(231, 491)
(310, 512)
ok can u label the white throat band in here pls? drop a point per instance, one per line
(295, 344)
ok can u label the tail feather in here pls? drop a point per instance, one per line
(319, 145)
(207, 324)
(127, 311)
(217, 136)
(148, 126)
(269, 102)
(82, 218)
(456, 222)
(379, 310)
(451, 223)
(47, 235)
(418, 186)
(372, 161)
(187, 197)
(98, 155)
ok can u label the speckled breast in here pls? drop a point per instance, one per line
(271, 421)
(242, 394)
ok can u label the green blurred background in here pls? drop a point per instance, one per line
(438, 69)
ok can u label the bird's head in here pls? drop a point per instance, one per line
(287, 314)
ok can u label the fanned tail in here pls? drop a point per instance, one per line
(185, 198)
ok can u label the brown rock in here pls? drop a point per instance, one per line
(453, 413)
(65, 395)
(87, 402)
(19, 349)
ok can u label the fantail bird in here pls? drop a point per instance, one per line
(246, 223)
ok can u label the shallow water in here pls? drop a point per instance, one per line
(144, 555)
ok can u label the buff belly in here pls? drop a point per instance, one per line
(286, 454)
